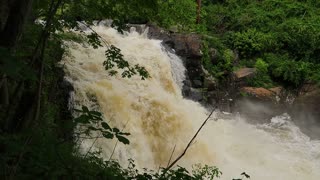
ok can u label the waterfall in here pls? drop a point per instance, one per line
(159, 118)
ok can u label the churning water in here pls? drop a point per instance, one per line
(159, 118)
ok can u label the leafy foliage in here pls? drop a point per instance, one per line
(115, 58)
(89, 120)
(284, 33)
(251, 42)
(262, 78)
(223, 62)
(176, 12)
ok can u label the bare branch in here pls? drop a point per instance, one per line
(174, 148)
(91, 146)
(115, 146)
(101, 38)
(189, 144)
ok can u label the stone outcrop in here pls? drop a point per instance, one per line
(262, 93)
(257, 105)
(244, 73)
(188, 47)
(240, 76)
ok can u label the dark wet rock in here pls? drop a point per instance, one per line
(211, 97)
(66, 86)
(187, 45)
(139, 28)
(196, 94)
(187, 83)
(186, 90)
(155, 32)
(305, 110)
(197, 83)
(209, 82)
(213, 53)
(309, 102)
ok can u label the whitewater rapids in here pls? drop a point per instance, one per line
(159, 118)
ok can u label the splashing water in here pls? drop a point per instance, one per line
(159, 118)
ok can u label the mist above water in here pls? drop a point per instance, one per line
(159, 118)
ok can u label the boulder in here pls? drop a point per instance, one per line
(139, 28)
(197, 83)
(196, 95)
(244, 73)
(277, 90)
(187, 45)
(305, 110)
(210, 83)
(155, 32)
(260, 93)
(308, 101)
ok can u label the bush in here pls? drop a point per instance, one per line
(262, 78)
(290, 71)
(252, 42)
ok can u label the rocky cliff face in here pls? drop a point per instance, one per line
(188, 47)
(234, 95)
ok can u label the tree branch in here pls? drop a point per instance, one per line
(190, 142)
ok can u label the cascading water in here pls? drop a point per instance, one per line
(159, 118)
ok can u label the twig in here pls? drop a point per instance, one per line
(174, 148)
(189, 144)
(114, 148)
(102, 39)
(91, 146)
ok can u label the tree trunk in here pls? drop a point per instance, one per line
(34, 111)
(198, 11)
(4, 12)
(4, 98)
(12, 30)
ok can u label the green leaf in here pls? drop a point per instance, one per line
(116, 130)
(93, 128)
(105, 125)
(108, 135)
(96, 113)
(82, 119)
(123, 133)
(123, 139)
(85, 109)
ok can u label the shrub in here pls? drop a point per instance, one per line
(252, 42)
(288, 70)
(262, 78)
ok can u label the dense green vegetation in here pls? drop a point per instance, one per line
(37, 139)
(283, 35)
